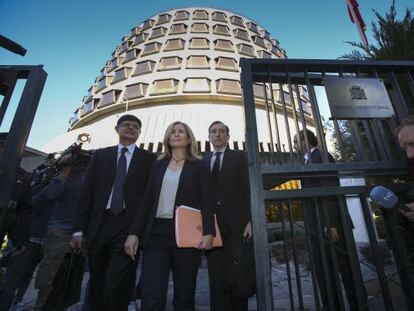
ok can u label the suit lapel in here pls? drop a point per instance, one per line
(183, 175)
(113, 154)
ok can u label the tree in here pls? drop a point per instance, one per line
(394, 39)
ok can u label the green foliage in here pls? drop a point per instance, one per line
(394, 39)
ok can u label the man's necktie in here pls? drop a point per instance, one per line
(216, 166)
(117, 202)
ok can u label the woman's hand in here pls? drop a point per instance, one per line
(206, 242)
(131, 246)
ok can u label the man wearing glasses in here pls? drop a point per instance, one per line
(114, 185)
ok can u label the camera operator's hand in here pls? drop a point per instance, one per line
(66, 159)
(409, 213)
(64, 174)
(76, 243)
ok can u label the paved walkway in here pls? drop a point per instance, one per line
(280, 290)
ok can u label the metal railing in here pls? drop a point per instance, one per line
(21, 124)
(364, 148)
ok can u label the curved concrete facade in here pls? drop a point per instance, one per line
(181, 64)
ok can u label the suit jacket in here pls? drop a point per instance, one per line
(194, 190)
(98, 183)
(329, 204)
(232, 190)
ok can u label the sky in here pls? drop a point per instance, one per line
(73, 40)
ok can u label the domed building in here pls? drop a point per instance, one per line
(181, 64)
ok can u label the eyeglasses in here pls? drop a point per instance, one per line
(135, 126)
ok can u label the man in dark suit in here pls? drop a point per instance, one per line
(231, 194)
(312, 221)
(114, 185)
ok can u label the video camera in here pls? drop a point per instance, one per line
(78, 157)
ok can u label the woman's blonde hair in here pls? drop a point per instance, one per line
(192, 148)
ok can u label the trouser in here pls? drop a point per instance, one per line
(220, 264)
(160, 256)
(111, 270)
(19, 274)
(56, 246)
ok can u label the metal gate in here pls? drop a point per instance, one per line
(365, 148)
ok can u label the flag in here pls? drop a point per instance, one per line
(356, 18)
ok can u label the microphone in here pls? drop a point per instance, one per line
(383, 197)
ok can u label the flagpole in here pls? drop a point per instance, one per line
(361, 33)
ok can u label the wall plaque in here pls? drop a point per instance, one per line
(351, 98)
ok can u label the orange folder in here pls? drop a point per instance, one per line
(189, 228)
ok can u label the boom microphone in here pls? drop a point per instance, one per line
(383, 197)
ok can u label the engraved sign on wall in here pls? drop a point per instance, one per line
(351, 98)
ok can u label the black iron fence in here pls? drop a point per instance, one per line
(338, 275)
(13, 148)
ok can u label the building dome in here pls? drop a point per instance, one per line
(182, 64)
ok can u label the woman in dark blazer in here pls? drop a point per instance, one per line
(178, 178)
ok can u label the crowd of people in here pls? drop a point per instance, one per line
(120, 210)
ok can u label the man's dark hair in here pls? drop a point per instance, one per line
(219, 122)
(129, 117)
(312, 140)
(406, 122)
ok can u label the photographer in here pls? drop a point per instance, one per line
(23, 261)
(405, 135)
(63, 193)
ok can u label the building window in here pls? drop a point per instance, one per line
(199, 28)
(125, 45)
(286, 96)
(135, 91)
(227, 86)
(221, 30)
(103, 83)
(135, 31)
(246, 49)
(170, 63)
(252, 27)
(74, 118)
(200, 14)
(181, 16)
(199, 43)
(197, 85)
(264, 54)
(265, 34)
(174, 44)
(114, 63)
(163, 18)
(109, 98)
(167, 86)
(121, 74)
(91, 91)
(144, 67)
(259, 41)
(147, 24)
(226, 63)
(178, 29)
(259, 91)
(151, 48)
(117, 51)
(223, 45)
(241, 34)
(140, 38)
(220, 17)
(158, 32)
(88, 107)
(237, 20)
(131, 55)
(198, 62)
(304, 91)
